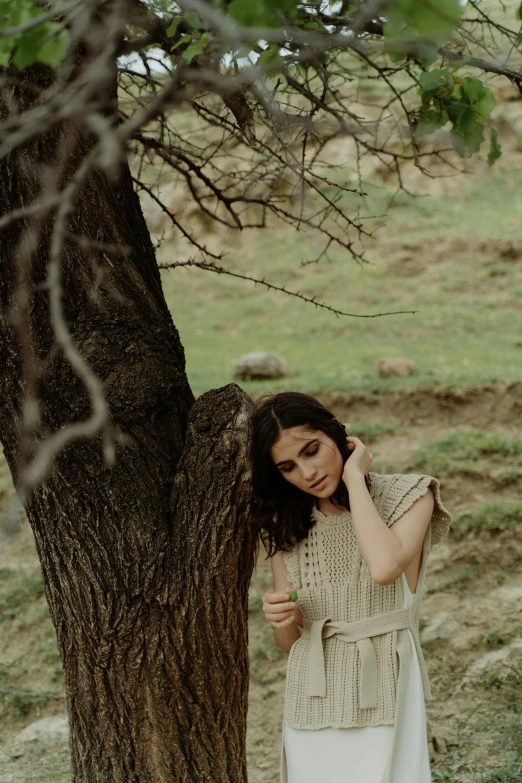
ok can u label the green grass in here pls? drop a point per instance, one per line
(18, 701)
(369, 431)
(465, 331)
(462, 450)
(505, 724)
(268, 649)
(255, 604)
(493, 518)
(39, 765)
(500, 637)
(444, 774)
(23, 590)
(23, 611)
(457, 578)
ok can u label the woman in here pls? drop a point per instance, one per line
(354, 545)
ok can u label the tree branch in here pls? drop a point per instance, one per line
(210, 267)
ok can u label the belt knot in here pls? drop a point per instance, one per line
(359, 633)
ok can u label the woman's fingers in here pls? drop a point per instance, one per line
(354, 442)
(278, 610)
(276, 599)
(282, 620)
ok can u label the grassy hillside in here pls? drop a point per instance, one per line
(455, 258)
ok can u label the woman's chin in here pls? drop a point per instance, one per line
(324, 492)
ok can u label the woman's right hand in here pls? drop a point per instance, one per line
(280, 611)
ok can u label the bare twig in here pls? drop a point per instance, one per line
(208, 266)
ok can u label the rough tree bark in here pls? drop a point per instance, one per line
(146, 564)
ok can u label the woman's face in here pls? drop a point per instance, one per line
(309, 459)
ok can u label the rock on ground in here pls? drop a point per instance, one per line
(261, 365)
(442, 626)
(395, 366)
(48, 731)
(491, 659)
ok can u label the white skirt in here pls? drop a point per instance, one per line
(360, 755)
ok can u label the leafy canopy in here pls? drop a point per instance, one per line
(413, 29)
(47, 42)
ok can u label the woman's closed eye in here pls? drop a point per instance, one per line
(290, 467)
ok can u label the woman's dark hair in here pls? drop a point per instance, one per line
(281, 512)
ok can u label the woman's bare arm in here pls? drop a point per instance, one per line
(282, 614)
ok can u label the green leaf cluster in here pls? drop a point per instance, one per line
(270, 60)
(261, 13)
(47, 42)
(423, 22)
(193, 43)
(495, 150)
(466, 103)
(193, 46)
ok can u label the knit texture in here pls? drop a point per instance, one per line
(333, 581)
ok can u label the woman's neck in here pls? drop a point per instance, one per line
(326, 507)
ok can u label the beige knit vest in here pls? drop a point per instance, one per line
(348, 667)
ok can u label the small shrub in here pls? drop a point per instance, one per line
(272, 650)
(259, 675)
(4, 674)
(20, 703)
(57, 672)
(45, 644)
(496, 638)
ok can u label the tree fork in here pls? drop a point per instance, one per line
(146, 563)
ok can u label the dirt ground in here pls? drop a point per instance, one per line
(476, 579)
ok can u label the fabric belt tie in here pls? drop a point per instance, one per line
(359, 633)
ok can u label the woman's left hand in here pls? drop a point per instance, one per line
(360, 460)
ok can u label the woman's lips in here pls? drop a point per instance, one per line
(318, 484)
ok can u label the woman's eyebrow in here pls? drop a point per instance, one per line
(299, 453)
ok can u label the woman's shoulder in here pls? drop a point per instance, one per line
(389, 489)
(381, 484)
(393, 494)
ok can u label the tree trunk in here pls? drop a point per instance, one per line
(146, 563)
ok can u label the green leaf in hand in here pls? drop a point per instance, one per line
(495, 150)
